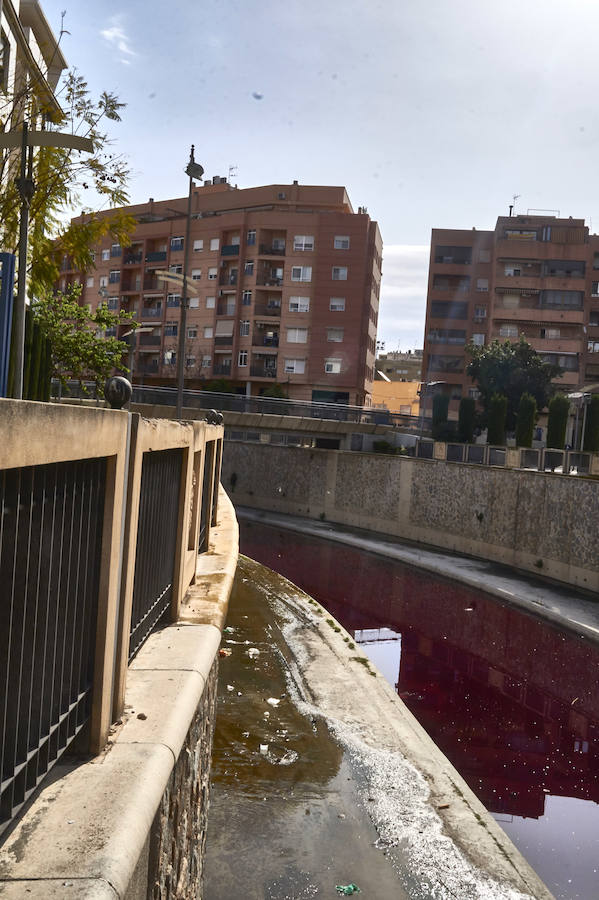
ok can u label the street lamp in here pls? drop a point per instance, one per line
(194, 170)
(145, 329)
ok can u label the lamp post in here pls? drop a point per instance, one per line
(145, 329)
(194, 170)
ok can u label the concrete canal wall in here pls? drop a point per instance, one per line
(535, 521)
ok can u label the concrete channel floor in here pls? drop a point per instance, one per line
(575, 610)
(321, 777)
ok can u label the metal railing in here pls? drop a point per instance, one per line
(50, 558)
(156, 543)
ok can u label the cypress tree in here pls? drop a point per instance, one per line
(525, 421)
(466, 420)
(440, 410)
(559, 410)
(591, 433)
(497, 415)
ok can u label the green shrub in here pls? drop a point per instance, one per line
(384, 447)
(466, 420)
(525, 421)
(497, 414)
(591, 432)
(559, 410)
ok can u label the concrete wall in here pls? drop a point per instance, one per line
(539, 522)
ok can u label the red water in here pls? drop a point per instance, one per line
(511, 700)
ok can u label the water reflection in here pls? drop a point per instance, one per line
(511, 701)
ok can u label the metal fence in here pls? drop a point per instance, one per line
(156, 543)
(50, 554)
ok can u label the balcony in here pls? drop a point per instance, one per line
(267, 309)
(132, 259)
(259, 371)
(147, 368)
(156, 256)
(131, 285)
(537, 314)
(268, 250)
(227, 278)
(150, 340)
(225, 309)
(224, 341)
(222, 368)
(151, 312)
(267, 280)
(229, 250)
(263, 340)
(152, 284)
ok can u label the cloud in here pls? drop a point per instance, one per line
(116, 36)
(403, 296)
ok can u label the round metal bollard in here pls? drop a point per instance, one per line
(117, 391)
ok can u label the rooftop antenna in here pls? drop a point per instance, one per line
(512, 205)
(232, 172)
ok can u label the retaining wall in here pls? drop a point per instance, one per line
(535, 521)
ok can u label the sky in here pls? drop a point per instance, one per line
(433, 115)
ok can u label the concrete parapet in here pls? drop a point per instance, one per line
(130, 823)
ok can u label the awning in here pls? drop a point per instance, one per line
(224, 328)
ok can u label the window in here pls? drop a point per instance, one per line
(339, 273)
(171, 329)
(550, 334)
(474, 393)
(337, 304)
(593, 346)
(206, 362)
(246, 298)
(89, 281)
(170, 357)
(332, 366)
(176, 269)
(480, 313)
(242, 359)
(196, 274)
(482, 284)
(113, 303)
(177, 243)
(281, 195)
(198, 246)
(244, 327)
(594, 317)
(114, 276)
(105, 255)
(208, 331)
(484, 256)
(513, 269)
(297, 335)
(299, 304)
(249, 267)
(251, 237)
(212, 274)
(190, 361)
(192, 331)
(103, 280)
(173, 299)
(278, 243)
(595, 289)
(461, 256)
(115, 250)
(303, 242)
(561, 299)
(341, 242)
(210, 302)
(194, 302)
(214, 243)
(301, 273)
(478, 339)
(295, 366)
(335, 335)
(509, 331)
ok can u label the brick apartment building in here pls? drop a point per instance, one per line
(284, 287)
(533, 275)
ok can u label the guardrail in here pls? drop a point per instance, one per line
(102, 517)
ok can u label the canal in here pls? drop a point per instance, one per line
(511, 700)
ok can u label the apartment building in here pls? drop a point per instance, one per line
(533, 275)
(284, 284)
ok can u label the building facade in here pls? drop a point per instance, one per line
(536, 276)
(283, 285)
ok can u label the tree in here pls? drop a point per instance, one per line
(60, 176)
(511, 369)
(440, 409)
(466, 420)
(525, 423)
(497, 418)
(591, 433)
(559, 410)
(79, 348)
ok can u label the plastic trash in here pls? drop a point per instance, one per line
(230, 687)
(347, 889)
(229, 630)
(224, 652)
(253, 652)
(273, 701)
(263, 749)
